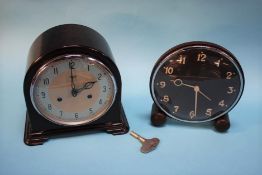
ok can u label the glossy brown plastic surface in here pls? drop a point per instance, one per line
(70, 39)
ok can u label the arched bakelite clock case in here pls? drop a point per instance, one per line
(196, 82)
(71, 84)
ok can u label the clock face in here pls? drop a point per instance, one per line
(197, 83)
(73, 90)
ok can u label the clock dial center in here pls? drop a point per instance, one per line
(61, 86)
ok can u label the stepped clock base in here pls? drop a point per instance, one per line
(38, 138)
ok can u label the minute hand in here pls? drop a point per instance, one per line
(73, 91)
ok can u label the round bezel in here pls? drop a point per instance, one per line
(87, 119)
(203, 45)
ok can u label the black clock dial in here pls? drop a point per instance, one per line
(197, 83)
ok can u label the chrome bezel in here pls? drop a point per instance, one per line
(66, 57)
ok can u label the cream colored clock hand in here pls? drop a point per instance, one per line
(179, 82)
(204, 95)
(196, 89)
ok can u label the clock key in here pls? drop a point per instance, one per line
(148, 145)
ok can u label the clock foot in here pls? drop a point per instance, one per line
(222, 124)
(157, 117)
(33, 138)
(118, 128)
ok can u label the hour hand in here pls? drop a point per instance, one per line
(179, 82)
(87, 85)
(204, 95)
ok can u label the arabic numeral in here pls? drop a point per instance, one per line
(230, 90)
(192, 114)
(217, 63)
(162, 84)
(229, 75)
(49, 107)
(104, 88)
(169, 70)
(99, 76)
(46, 81)
(221, 103)
(43, 94)
(90, 110)
(209, 112)
(176, 108)
(71, 64)
(55, 70)
(181, 59)
(201, 57)
(76, 115)
(165, 98)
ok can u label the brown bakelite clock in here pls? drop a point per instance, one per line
(196, 82)
(72, 84)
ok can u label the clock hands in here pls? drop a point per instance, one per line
(179, 82)
(75, 91)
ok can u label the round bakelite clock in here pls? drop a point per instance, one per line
(72, 84)
(196, 82)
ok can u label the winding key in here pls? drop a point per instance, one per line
(148, 145)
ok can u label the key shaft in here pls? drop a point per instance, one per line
(137, 136)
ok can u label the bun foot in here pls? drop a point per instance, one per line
(157, 117)
(222, 124)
